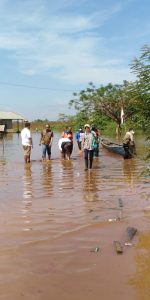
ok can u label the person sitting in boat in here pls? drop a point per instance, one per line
(129, 144)
(66, 146)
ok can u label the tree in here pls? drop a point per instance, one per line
(141, 67)
(106, 101)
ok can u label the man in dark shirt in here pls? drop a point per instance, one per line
(46, 141)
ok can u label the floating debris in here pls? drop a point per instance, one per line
(118, 247)
(27, 229)
(95, 249)
(120, 202)
(128, 244)
(114, 219)
(96, 217)
(106, 177)
(131, 231)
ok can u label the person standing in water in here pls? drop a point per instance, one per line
(88, 147)
(78, 137)
(129, 144)
(66, 146)
(46, 141)
(26, 141)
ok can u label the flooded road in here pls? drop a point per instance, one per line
(53, 214)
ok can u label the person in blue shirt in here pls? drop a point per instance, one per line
(78, 138)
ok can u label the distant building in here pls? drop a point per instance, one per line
(7, 118)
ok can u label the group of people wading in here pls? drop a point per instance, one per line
(87, 141)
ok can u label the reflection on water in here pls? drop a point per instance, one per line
(2, 164)
(47, 178)
(66, 175)
(90, 187)
(129, 170)
(53, 213)
(27, 182)
(27, 197)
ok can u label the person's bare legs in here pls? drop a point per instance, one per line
(68, 156)
(26, 159)
(63, 155)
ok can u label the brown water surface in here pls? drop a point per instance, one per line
(54, 213)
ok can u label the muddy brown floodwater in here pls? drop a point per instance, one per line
(54, 214)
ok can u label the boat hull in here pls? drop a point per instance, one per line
(113, 147)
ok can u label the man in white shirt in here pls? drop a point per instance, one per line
(26, 141)
(129, 144)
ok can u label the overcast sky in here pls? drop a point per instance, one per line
(49, 49)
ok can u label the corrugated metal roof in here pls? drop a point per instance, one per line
(7, 115)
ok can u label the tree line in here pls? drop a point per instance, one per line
(102, 106)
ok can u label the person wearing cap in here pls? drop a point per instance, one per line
(78, 138)
(26, 141)
(129, 144)
(88, 147)
(46, 141)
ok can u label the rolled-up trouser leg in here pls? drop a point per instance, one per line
(27, 153)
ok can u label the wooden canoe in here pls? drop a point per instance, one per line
(113, 147)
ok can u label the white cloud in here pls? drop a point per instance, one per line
(98, 75)
(67, 46)
(15, 41)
